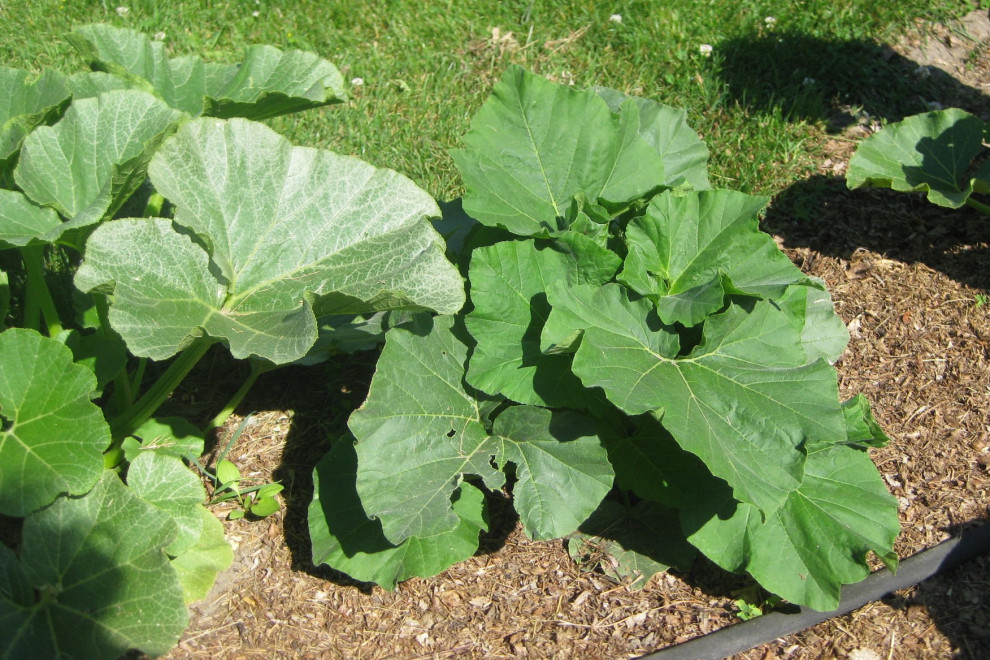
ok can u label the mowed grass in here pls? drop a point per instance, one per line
(762, 99)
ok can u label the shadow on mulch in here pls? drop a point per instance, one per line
(810, 78)
(820, 213)
(956, 601)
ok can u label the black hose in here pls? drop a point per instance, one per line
(744, 636)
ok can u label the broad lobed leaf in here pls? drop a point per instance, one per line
(282, 234)
(928, 153)
(54, 436)
(104, 583)
(266, 83)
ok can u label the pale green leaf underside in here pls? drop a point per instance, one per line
(508, 284)
(54, 437)
(346, 539)
(928, 153)
(818, 540)
(26, 101)
(291, 232)
(266, 83)
(109, 585)
(685, 244)
(197, 567)
(534, 145)
(22, 222)
(87, 164)
(744, 401)
(562, 470)
(418, 433)
(166, 483)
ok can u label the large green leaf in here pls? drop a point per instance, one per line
(166, 483)
(53, 436)
(26, 101)
(684, 154)
(815, 543)
(686, 245)
(92, 580)
(508, 285)
(91, 161)
(929, 153)
(419, 433)
(745, 400)
(346, 539)
(22, 222)
(562, 470)
(266, 83)
(283, 234)
(197, 567)
(535, 144)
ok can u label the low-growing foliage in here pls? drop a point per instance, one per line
(637, 363)
(187, 224)
(939, 153)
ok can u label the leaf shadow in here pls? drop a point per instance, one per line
(805, 77)
(821, 214)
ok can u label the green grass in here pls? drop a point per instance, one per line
(427, 67)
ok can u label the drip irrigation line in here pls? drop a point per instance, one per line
(742, 637)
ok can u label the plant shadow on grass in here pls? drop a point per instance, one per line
(809, 78)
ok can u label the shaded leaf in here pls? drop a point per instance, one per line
(22, 222)
(744, 401)
(172, 436)
(508, 285)
(53, 436)
(345, 538)
(103, 583)
(26, 101)
(631, 544)
(929, 153)
(817, 541)
(418, 433)
(562, 470)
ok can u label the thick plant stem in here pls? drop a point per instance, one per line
(979, 206)
(38, 296)
(127, 422)
(257, 368)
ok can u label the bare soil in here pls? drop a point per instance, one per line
(905, 276)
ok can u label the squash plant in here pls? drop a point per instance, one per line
(195, 225)
(940, 153)
(640, 366)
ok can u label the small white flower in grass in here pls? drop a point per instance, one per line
(256, 14)
(357, 82)
(706, 49)
(121, 11)
(770, 21)
(615, 18)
